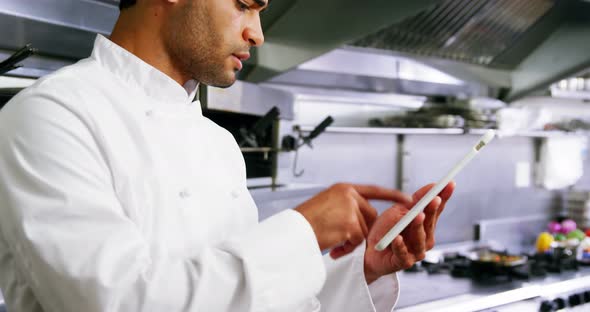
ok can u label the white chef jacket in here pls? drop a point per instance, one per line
(118, 195)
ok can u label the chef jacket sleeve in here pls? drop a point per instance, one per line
(79, 252)
(346, 289)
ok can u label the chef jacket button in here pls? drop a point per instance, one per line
(184, 194)
(235, 194)
(149, 113)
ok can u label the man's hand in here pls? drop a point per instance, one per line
(341, 215)
(411, 245)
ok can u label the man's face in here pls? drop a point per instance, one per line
(209, 39)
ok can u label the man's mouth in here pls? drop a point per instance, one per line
(242, 56)
(239, 58)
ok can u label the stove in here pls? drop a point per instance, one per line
(489, 272)
(454, 281)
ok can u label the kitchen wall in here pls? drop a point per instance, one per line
(499, 183)
(486, 189)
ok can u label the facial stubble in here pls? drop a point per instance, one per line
(196, 47)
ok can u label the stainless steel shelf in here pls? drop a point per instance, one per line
(445, 131)
(257, 149)
(387, 130)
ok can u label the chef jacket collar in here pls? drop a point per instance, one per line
(134, 70)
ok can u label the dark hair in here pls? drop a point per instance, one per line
(126, 4)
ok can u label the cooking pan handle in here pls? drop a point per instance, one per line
(11, 62)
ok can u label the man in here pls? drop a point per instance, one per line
(118, 195)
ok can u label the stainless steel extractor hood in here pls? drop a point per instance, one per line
(296, 30)
(477, 32)
(62, 30)
(514, 46)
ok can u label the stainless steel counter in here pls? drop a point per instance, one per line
(271, 202)
(285, 192)
(442, 292)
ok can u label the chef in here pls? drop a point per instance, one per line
(118, 195)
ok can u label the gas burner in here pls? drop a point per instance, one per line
(559, 260)
(492, 267)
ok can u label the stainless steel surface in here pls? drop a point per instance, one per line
(271, 202)
(35, 66)
(585, 95)
(486, 190)
(500, 34)
(346, 96)
(577, 207)
(62, 30)
(517, 46)
(89, 15)
(347, 113)
(377, 72)
(422, 292)
(466, 30)
(342, 157)
(347, 157)
(287, 191)
(247, 98)
(426, 131)
(56, 41)
(560, 56)
(256, 149)
(289, 42)
(516, 234)
(259, 182)
(65, 28)
(436, 131)
(329, 80)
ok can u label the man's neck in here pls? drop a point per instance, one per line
(143, 40)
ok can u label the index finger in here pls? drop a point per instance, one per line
(377, 192)
(368, 212)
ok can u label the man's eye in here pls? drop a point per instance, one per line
(242, 6)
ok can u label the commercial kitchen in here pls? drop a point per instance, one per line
(394, 93)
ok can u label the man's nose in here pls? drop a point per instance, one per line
(253, 32)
